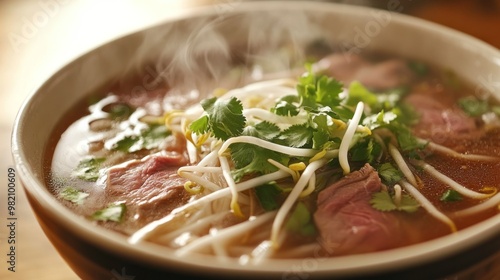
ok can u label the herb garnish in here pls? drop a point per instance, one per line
(383, 201)
(224, 118)
(451, 196)
(88, 169)
(322, 110)
(267, 195)
(113, 212)
(150, 138)
(73, 195)
(301, 221)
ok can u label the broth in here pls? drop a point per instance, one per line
(123, 168)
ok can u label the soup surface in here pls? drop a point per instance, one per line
(359, 154)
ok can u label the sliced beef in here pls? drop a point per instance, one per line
(440, 122)
(151, 186)
(378, 76)
(347, 222)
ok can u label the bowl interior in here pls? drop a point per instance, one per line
(353, 29)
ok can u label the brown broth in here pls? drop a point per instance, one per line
(475, 175)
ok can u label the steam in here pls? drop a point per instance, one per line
(196, 55)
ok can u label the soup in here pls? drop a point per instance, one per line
(359, 154)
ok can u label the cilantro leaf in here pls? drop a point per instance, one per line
(306, 88)
(113, 212)
(300, 221)
(342, 113)
(298, 136)
(389, 99)
(389, 174)
(73, 195)
(225, 117)
(406, 140)
(473, 106)
(451, 196)
(120, 111)
(267, 195)
(380, 119)
(125, 144)
(366, 150)
(263, 130)
(150, 138)
(383, 201)
(317, 91)
(327, 91)
(286, 107)
(320, 138)
(359, 93)
(88, 169)
(200, 126)
(154, 136)
(252, 159)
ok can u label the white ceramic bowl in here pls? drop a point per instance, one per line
(95, 253)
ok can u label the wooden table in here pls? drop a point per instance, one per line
(36, 39)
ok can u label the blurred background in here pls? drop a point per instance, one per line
(39, 36)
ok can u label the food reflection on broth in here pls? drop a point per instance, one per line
(359, 154)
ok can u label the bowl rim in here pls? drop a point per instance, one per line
(405, 257)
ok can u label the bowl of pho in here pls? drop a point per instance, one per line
(300, 141)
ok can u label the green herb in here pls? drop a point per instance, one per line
(318, 91)
(366, 150)
(120, 111)
(267, 195)
(88, 169)
(126, 144)
(358, 92)
(406, 140)
(154, 136)
(263, 130)
(325, 114)
(286, 106)
(200, 126)
(389, 174)
(73, 195)
(451, 196)
(150, 138)
(252, 159)
(223, 118)
(298, 136)
(383, 201)
(113, 212)
(300, 221)
(473, 106)
(380, 119)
